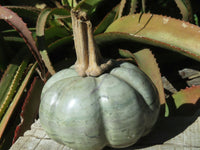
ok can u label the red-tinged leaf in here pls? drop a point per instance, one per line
(30, 108)
(187, 101)
(156, 30)
(17, 23)
(189, 95)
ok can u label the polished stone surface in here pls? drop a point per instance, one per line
(114, 109)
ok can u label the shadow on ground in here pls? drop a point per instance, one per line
(168, 127)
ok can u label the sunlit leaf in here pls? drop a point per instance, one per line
(40, 27)
(6, 98)
(157, 30)
(15, 100)
(187, 96)
(185, 9)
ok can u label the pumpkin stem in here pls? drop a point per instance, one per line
(89, 60)
(80, 41)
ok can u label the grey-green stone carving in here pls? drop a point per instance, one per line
(88, 113)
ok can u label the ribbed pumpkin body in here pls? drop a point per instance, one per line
(88, 113)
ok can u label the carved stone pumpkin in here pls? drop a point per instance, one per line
(87, 113)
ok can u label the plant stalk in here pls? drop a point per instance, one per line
(89, 60)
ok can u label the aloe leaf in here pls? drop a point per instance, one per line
(196, 20)
(54, 33)
(65, 2)
(16, 22)
(26, 12)
(121, 8)
(157, 30)
(15, 100)
(6, 80)
(40, 27)
(188, 97)
(133, 6)
(108, 19)
(68, 40)
(60, 17)
(143, 6)
(70, 3)
(88, 5)
(13, 32)
(13, 39)
(185, 9)
(30, 108)
(41, 21)
(40, 31)
(47, 62)
(7, 96)
(3, 55)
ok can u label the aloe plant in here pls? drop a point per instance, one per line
(127, 25)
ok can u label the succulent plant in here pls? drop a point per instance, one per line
(123, 27)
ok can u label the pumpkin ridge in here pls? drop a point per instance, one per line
(148, 100)
(119, 77)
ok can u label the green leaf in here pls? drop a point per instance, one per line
(60, 17)
(185, 9)
(13, 32)
(16, 22)
(108, 19)
(13, 39)
(43, 18)
(189, 95)
(196, 20)
(15, 100)
(157, 30)
(121, 8)
(71, 3)
(6, 81)
(40, 27)
(133, 6)
(7, 95)
(88, 5)
(188, 98)
(63, 41)
(41, 21)
(26, 12)
(65, 2)
(3, 54)
(54, 33)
